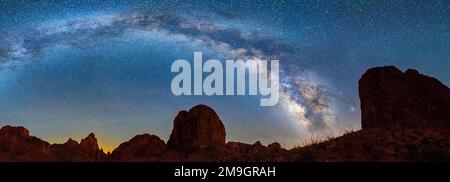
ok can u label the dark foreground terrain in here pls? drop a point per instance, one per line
(405, 117)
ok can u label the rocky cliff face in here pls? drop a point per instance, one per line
(392, 98)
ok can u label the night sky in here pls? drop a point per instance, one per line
(68, 68)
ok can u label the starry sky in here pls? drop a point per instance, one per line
(71, 67)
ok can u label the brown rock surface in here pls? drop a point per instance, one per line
(391, 98)
(274, 146)
(197, 129)
(140, 148)
(17, 145)
(86, 151)
(89, 144)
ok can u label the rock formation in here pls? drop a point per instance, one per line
(140, 148)
(197, 129)
(391, 98)
(17, 145)
(86, 151)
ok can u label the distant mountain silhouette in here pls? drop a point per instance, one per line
(405, 117)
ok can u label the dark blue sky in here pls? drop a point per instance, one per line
(68, 68)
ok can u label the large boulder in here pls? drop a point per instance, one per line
(197, 129)
(391, 98)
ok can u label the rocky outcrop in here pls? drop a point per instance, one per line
(274, 146)
(140, 148)
(89, 144)
(86, 151)
(256, 152)
(17, 145)
(197, 129)
(393, 99)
